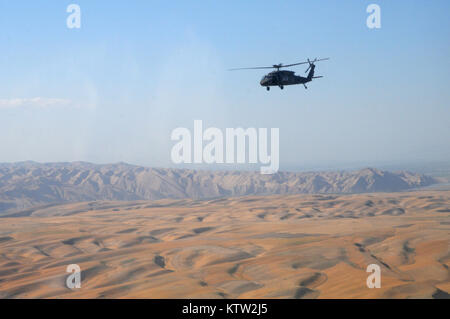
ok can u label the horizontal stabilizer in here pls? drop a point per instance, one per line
(316, 77)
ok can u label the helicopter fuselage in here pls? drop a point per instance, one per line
(281, 78)
(285, 77)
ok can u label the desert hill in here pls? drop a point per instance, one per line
(279, 246)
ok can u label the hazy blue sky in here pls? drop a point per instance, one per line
(116, 88)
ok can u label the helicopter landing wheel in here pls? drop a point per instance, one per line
(268, 88)
(281, 87)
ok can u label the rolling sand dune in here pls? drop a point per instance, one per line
(280, 246)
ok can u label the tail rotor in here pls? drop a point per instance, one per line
(311, 63)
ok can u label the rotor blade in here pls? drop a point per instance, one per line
(279, 66)
(316, 60)
(309, 66)
(287, 65)
(255, 68)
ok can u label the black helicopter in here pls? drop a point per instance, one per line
(282, 78)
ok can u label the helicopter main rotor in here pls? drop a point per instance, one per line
(280, 65)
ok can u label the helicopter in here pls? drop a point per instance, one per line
(284, 77)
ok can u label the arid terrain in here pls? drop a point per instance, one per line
(278, 246)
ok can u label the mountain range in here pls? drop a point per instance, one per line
(27, 184)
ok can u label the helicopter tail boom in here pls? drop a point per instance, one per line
(311, 72)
